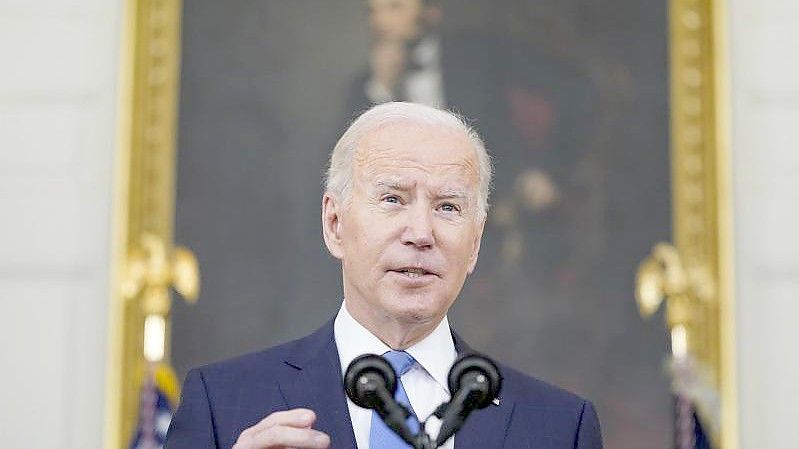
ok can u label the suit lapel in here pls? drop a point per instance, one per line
(318, 386)
(486, 428)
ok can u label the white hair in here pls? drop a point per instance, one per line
(338, 181)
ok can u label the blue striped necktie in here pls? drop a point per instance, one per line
(380, 435)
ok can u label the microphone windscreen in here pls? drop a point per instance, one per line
(364, 375)
(478, 371)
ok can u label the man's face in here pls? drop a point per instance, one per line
(410, 234)
(396, 20)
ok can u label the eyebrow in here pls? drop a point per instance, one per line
(399, 184)
(450, 193)
(393, 183)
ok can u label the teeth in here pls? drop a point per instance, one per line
(413, 272)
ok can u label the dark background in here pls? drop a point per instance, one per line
(264, 98)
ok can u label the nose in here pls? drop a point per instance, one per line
(419, 227)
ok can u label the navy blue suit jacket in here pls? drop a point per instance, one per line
(220, 400)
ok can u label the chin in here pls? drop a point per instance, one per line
(416, 308)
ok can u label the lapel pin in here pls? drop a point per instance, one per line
(495, 401)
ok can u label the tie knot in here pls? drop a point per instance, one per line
(401, 361)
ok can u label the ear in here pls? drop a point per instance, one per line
(331, 225)
(476, 246)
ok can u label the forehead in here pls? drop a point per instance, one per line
(441, 153)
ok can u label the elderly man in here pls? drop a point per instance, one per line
(404, 208)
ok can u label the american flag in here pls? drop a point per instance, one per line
(696, 405)
(689, 433)
(157, 402)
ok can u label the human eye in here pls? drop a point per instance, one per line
(391, 199)
(449, 208)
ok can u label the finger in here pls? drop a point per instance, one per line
(285, 436)
(298, 417)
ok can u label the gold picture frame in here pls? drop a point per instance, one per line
(694, 277)
(146, 265)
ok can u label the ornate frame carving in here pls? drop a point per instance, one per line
(144, 198)
(694, 277)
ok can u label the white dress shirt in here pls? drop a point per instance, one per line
(425, 382)
(424, 84)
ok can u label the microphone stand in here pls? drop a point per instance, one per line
(370, 382)
(395, 415)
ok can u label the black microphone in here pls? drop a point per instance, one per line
(474, 382)
(370, 382)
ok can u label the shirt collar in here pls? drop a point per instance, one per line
(426, 52)
(435, 353)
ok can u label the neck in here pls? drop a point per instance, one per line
(396, 334)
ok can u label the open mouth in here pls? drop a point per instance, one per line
(413, 272)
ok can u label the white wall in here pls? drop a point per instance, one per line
(58, 74)
(764, 38)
